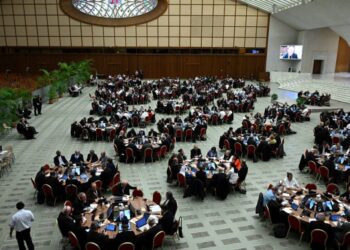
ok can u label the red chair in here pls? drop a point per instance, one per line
(162, 152)
(295, 225)
(126, 246)
(135, 121)
(181, 180)
(227, 145)
(281, 129)
(178, 135)
(109, 110)
(188, 134)
(74, 242)
(99, 185)
(251, 151)
(112, 134)
(92, 246)
(333, 188)
(215, 119)
(158, 240)
(203, 134)
(313, 168)
(319, 237)
(311, 186)
(323, 173)
(335, 140)
(147, 120)
(71, 191)
(115, 189)
(238, 148)
(245, 124)
(49, 195)
(116, 150)
(116, 178)
(35, 187)
(346, 241)
(99, 134)
(148, 154)
(137, 193)
(156, 197)
(129, 153)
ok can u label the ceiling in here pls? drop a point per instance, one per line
(275, 6)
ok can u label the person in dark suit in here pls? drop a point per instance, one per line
(93, 194)
(77, 158)
(196, 152)
(72, 181)
(65, 221)
(125, 235)
(92, 157)
(167, 222)
(263, 150)
(60, 160)
(93, 177)
(80, 203)
(146, 239)
(100, 239)
(56, 186)
(290, 54)
(106, 177)
(220, 184)
(124, 188)
(37, 103)
(170, 203)
(341, 230)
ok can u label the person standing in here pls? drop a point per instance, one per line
(37, 102)
(21, 222)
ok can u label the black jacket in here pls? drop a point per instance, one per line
(57, 162)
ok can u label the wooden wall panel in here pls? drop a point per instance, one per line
(153, 66)
(343, 57)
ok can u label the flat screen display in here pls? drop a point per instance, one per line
(291, 52)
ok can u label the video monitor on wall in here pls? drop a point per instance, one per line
(291, 52)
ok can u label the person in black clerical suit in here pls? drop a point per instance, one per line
(125, 235)
(60, 160)
(100, 239)
(77, 158)
(92, 157)
(123, 188)
(196, 152)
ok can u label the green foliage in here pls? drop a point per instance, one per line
(52, 92)
(274, 97)
(10, 99)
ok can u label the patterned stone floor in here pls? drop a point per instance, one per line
(212, 224)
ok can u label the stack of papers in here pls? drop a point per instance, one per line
(155, 209)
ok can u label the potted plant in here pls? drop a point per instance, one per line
(274, 97)
(52, 93)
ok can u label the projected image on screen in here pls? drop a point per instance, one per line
(291, 52)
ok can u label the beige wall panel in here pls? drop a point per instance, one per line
(76, 41)
(163, 42)
(261, 42)
(250, 42)
(228, 42)
(207, 42)
(55, 41)
(109, 42)
(142, 41)
(207, 32)
(174, 42)
(239, 42)
(87, 41)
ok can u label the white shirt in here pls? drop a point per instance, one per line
(233, 177)
(144, 115)
(22, 220)
(290, 184)
(61, 162)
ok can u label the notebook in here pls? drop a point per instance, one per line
(141, 223)
(334, 217)
(110, 227)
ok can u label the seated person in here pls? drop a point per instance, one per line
(60, 160)
(346, 196)
(269, 195)
(341, 230)
(196, 152)
(26, 130)
(212, 153)
(101, 239)
(52, 181)
(93, 194)
(80, 203)
(236, 162)
(76, 158)
(232, 175)
(290, 182)
(125, 235)
(220, 184)
(227, 156)
(146, 238)
(92, 157)
(320, 224)
(123, 188)
(65, 221)
(71, 180)
(167, 222)
(170, 203)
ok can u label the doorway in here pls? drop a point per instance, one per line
(317, 67)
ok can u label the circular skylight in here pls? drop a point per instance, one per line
(115, 8)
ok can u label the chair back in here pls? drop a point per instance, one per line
(227, 144)
(156, 197)
(324, 172)
(318, 236)
(158, 240)
(127, 246)
(148, 153)
(281, 129)
(33, 182)
(214, 119)
(179, 134)
(73, 240)
(346, 240)
(112, 134)
(202, 132)
(98, 185)
(116, 178)
(163, 151)
(92, 246)
(181, 180)
(312, 166)
(115, 189)
(99, 132)
(333, 188)
(238, 148)
(245, 124)
(71, 190)
(165, 130)
(47, 189)
(129, 153)
(294, 223)
(311, 186)
(189, 133)
(135, 121)
(251, 150)
(137, 193)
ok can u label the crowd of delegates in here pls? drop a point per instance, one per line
(107, 128)
(134, 147)
(76, 170)
(25, 129)
(172, 106)
(207, 173)
(183, 129)
(275, 200)
(72, 218)
(213, 115)
(315, 98)
(115, 93)
(292, 112)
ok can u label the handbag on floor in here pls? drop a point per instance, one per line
(180, 228)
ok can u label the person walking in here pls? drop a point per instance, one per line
(21, 222)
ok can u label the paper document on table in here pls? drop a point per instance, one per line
(288, 210)
(155, 209)
(312, 219)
